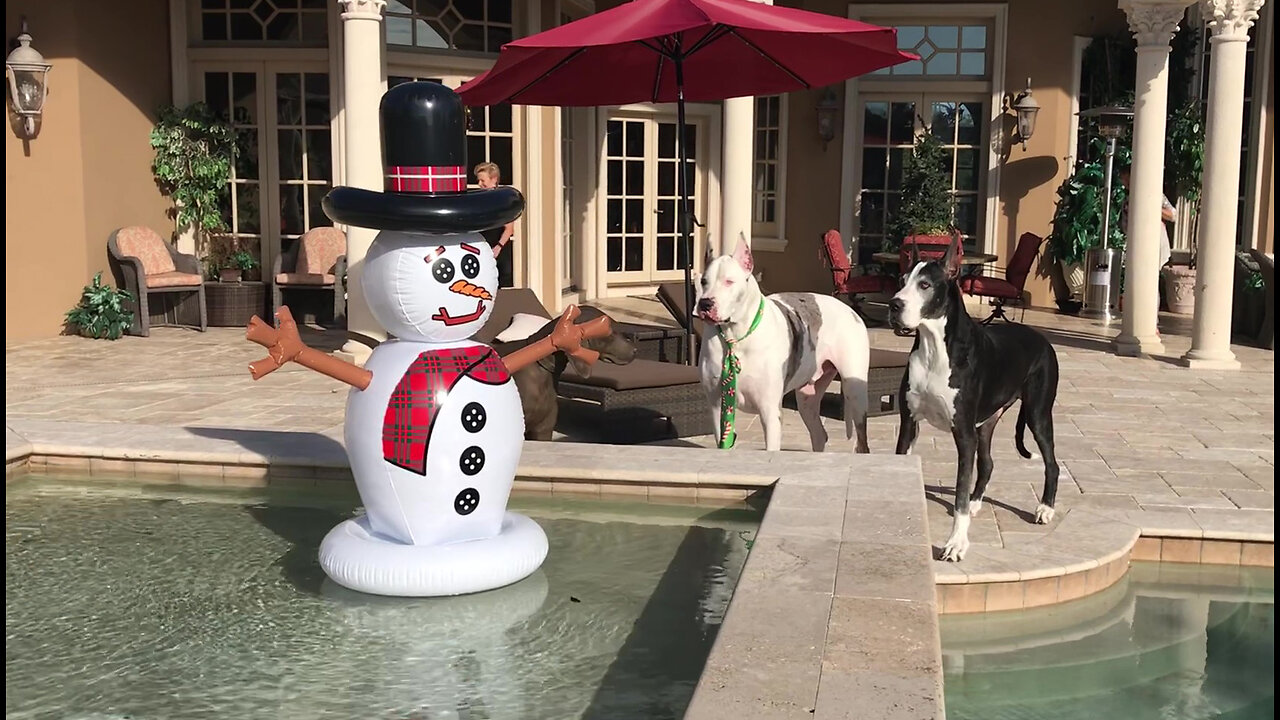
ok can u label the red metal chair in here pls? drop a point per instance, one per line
(1010, 288)
(843, 280)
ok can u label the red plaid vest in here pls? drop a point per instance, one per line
(416, 402)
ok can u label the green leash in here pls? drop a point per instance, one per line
(729, 369)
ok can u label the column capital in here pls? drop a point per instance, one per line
(1153, 23)
(362, 9)
(1231, 19)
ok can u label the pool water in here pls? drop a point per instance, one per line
(1169, 642)
(126, 602)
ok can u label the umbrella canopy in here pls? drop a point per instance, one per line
(728, 48)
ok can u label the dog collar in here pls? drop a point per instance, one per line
(729, 369)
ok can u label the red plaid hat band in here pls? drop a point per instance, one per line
(426, 179)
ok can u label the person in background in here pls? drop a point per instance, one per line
(1168, 214)
(488, 175)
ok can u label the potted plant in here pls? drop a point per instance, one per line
(235, 265)
(194, 150)
(1184, 169)
(1077, 218)
(101, 313)
(926, 205)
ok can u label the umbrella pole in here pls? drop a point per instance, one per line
(682, 188)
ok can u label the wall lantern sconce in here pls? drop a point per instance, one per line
(28, 83)
(1026, 109)
(828, 110)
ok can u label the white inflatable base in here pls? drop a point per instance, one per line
(354, 557)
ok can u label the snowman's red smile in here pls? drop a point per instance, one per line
(444, 316)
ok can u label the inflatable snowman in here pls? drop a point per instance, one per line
(434, 425)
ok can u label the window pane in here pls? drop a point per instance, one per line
(319, 155)
(667, 179)
(500, 118)
(909, 36)
(501, 153)
(217, 93)
(289, 99)
(613, 252)
(973, 63)
(942, 63)
(897, 158)
(943, 123)
(289, 143)
(875, 123)
(967, 214)
(291, 220)
(244, 93)
(615, 177)
(967, 169)
(666, 253)
(944, 37)
(635, 139)
(399, 30)
(973, 37)
(874, 160)
(902, 123)
(613, 223)
(248, 218)
(246, 154)
(315, 213)
(613, 138)
(634, 253)
(970, 118)
(666, 216)
(317, 85)
(666, 140)
(871, 216)
(633, 217)
(635, 177)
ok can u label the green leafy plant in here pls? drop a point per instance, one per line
(1077, 220)
(241, 260)
(101, 312)
(194, 150)
(926, 205)
(1184, 161)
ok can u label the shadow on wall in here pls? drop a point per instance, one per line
(1024, 174)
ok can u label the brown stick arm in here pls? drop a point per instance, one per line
(284, 344)
(566, 336)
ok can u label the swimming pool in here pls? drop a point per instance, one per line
(1169, 642)
(145, 602)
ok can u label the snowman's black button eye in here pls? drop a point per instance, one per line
(467, 501)
(470, 266)
(442, 270)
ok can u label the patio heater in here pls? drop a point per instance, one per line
(1104, 266)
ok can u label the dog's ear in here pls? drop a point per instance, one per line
(709, 255)
(581, 367)
(915, 251)
(742, 254)
(951, 261)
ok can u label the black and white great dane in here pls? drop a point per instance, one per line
(962, 377)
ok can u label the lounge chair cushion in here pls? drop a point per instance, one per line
(319, 250)
(301, 278)
(173, 279)
(989, 287)
(146, 245)
(522, 326)
(636, 375)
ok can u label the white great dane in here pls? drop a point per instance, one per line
(800, 342)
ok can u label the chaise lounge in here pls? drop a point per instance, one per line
(642, 401)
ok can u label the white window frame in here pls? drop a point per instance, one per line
(772, 237)
(851, 160)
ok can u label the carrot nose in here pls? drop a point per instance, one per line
(462, 287)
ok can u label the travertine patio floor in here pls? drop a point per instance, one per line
(1132, 434)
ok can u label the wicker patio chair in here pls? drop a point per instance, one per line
(158, 278)
(313, 273)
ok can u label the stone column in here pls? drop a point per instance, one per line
(735, 183)
(1216, 244)
(1153, 23)
(362, 92)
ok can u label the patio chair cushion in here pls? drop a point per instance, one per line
(300, 278)
(146, 245)
(636, 375)
(987, 286)
(522, 326)
(319, 250)
(888, 358)
(173, 279)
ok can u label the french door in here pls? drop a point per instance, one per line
(642, 243)
(281, 113)
(890, 124)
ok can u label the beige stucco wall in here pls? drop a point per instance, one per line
(1040, 39)
(88, 172)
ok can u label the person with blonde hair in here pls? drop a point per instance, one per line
(488, 175)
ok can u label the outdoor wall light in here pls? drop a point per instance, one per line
(28, 83)
(828, 110)
(1026, 109)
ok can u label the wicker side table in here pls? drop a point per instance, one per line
(232, 304)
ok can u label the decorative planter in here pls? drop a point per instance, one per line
(230, 275)
(1073, 275)
(232, 304)
(1180, 288)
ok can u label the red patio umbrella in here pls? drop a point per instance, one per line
(678, 50)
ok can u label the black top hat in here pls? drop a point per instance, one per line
(424, 158)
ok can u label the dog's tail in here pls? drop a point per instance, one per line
(1022, 425)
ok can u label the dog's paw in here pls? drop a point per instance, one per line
(1044, 514)
(975, 506)
(955, 549)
